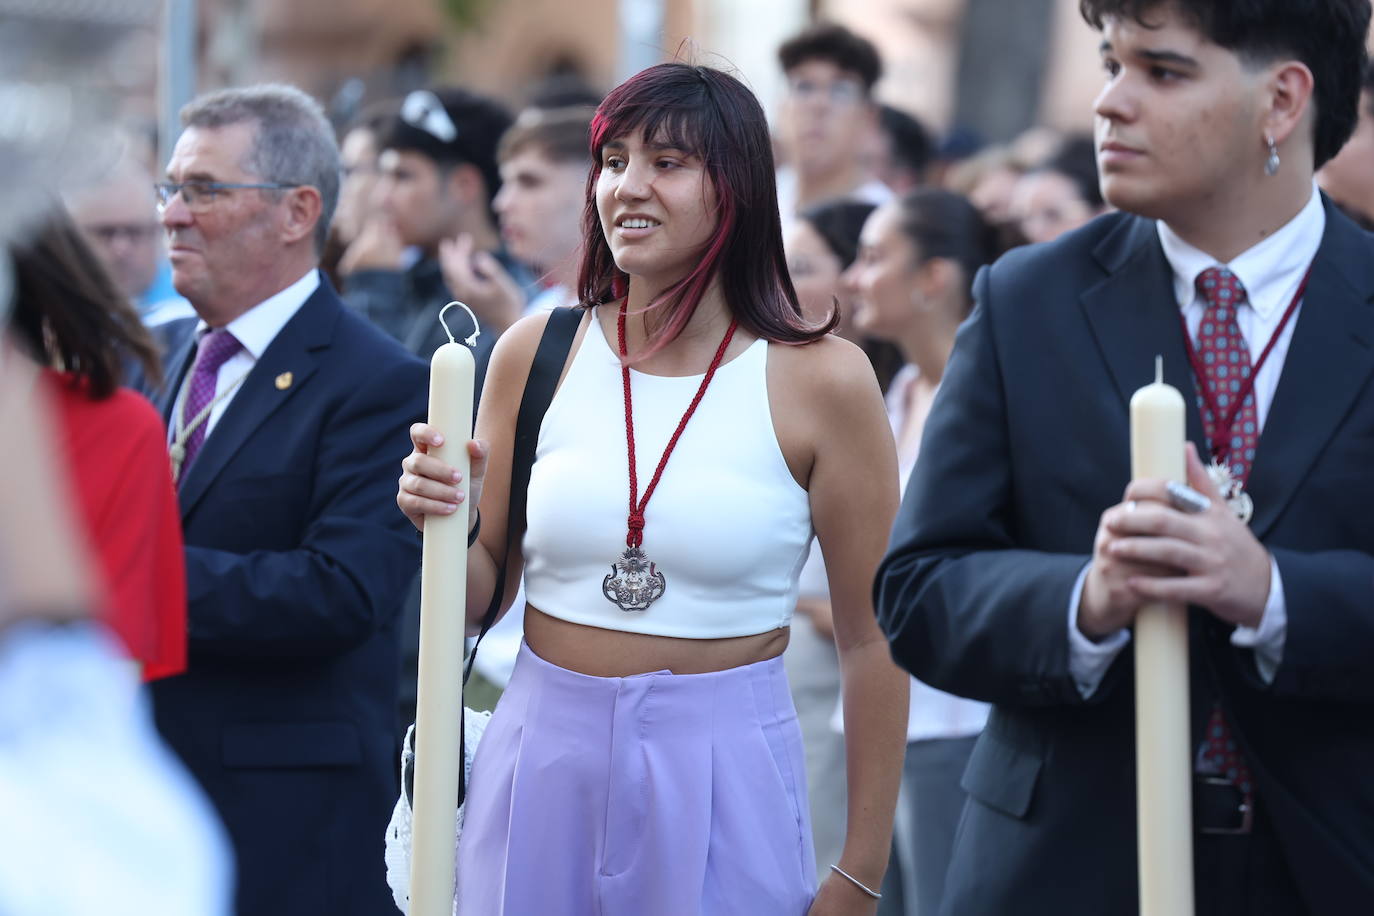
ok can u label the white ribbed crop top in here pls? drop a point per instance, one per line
(728, 525)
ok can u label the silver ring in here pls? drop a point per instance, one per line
(1185, 499)
(1130, 506)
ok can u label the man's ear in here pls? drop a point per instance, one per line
(1289, 92)
(304, 209)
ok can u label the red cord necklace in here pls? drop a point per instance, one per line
(634, 582)
(1219, 432)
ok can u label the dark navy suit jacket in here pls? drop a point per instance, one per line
(297, 559)
(1026, 445)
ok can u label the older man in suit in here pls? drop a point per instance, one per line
(1017, 565)
(286, 415)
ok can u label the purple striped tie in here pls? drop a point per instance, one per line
(214, 350)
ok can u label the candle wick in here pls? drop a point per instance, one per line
(1159, 370)
(471, 340)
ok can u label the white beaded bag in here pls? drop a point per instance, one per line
(398, 836)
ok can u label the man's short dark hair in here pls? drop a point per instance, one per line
(911, 143)
(1327, 35)
(834, 43)
(479, 123)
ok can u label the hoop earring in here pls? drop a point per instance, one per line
(1271, 165)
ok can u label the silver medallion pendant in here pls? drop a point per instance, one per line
(1232, 491)
(634, 582)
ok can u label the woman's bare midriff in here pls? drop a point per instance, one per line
(614, 653)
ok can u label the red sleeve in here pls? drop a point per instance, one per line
(117, 455)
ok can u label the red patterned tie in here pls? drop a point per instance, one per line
(215, 348)
(1226, 366)
(1225, 361)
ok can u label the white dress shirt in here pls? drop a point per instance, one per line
(1271, 273)
(255, 329)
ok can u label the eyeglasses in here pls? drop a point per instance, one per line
(198, 196)
(422, 109)
(840, 92)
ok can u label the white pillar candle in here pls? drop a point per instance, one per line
(1163, 752)
(443, 604)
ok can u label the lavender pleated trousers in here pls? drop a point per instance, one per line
(652, 795)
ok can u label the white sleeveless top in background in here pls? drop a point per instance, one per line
(728, 526)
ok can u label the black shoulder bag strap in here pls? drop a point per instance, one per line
(549, 360)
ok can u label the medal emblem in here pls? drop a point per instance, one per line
(1232, 491)
(634, 582)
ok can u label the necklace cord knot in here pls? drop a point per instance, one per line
(635, 537)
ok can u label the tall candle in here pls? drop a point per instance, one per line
(1163, 752)
(443, 604)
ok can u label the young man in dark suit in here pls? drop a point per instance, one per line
(1017, 564)
(286, 414)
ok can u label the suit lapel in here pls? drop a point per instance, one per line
(1328, 366)
(295, 350)
(1134, 318)
(181, 354)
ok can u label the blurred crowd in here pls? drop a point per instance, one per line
(443, 194)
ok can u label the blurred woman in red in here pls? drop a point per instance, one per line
(69, 317)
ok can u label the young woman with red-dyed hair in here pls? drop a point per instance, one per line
(645, 757)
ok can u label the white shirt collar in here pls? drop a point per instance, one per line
(256, 328)
(1270, 271)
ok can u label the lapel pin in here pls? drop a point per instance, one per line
(284, 381)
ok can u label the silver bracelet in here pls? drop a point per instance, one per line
(856, 882)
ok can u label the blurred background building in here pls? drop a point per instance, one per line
(982, 70)
(990, 67)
